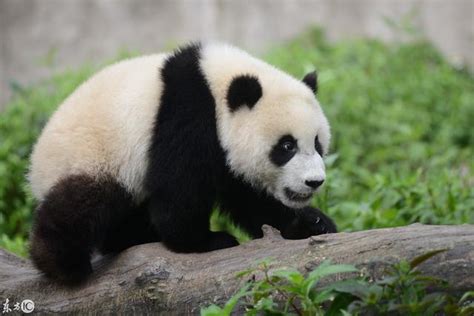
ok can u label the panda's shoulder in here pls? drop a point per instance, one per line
(139, 73)
(147, 64)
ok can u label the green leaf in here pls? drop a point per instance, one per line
(422, 258)
(321, 296)
(466, 296)
(323, 270)
(265, 304)
(244, 273)
(357, 288)
(387, 280)
(213, 310)
(294, 276)
(341, 302)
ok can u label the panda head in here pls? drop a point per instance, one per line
(275, 134)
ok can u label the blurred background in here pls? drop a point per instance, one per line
(395, 81)
(72, 32)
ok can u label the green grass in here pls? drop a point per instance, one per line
(401, 121)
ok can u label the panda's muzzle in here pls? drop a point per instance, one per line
(298, 197)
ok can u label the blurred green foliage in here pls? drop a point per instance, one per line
(402, 124)
(401, 120)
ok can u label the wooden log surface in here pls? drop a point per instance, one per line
(149, 279)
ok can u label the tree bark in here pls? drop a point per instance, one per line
(149, 279)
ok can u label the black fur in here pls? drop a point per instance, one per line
(76, 216)
(311, 80)
(135, 229)
(244, 90)
(317, 146)
(187, 161)
(279, 155)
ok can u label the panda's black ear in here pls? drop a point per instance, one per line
(244, 90)
(311, 80)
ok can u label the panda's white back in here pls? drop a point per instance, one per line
(104, 127)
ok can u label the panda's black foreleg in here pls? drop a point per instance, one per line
(292, 223)
(71, 221)
(308, 221)
(182, 221)
(250, 210)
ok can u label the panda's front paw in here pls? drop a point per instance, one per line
(309, 222)
(316, 221)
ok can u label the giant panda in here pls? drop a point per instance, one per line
(146, 148)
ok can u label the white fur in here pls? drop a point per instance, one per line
(104, 127)
(303, 167)
(287, 107)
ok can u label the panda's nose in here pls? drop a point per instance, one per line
(314, 183)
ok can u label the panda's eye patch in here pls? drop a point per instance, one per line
(283, 150)
(317, 146)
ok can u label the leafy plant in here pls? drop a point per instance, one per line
(283, 292)
(403, 291)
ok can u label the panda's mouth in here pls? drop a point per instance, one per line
(297, 197)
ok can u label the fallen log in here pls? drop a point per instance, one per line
(149, 279)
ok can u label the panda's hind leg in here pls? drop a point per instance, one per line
(134, 229)
(71, 221)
